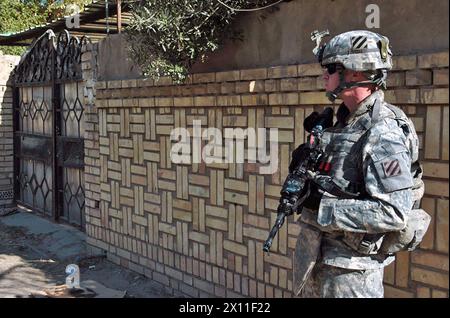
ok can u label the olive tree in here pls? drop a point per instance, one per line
(166, 37)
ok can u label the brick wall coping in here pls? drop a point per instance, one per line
(281, 85)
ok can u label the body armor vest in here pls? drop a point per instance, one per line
(342, 161)
(342, 175)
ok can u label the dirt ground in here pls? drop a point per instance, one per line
(34, 253)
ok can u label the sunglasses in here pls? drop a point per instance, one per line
(331, 68)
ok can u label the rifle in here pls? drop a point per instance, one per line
(295, 189)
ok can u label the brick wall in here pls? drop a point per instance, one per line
(198, 229)
(7, 63)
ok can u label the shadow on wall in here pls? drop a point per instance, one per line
(113, 60)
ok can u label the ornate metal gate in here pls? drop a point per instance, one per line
(49, 128)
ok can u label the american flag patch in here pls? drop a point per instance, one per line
(392, 168)
(359, 42)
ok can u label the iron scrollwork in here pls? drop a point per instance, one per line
(36, 64)
(47, 108)
(68, 57)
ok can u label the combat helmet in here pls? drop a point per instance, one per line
(362, 51)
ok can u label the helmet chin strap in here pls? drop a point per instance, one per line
(379, 80)
(332, 96)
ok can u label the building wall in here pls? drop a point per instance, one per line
(7, 63)
(198, 229)
(282, 37)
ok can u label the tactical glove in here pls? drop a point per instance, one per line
(312, 202)
(325, 118)
(298, 155)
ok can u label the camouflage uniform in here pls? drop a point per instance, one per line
(336, 282)
(367, 193)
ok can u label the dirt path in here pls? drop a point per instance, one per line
(35, 252)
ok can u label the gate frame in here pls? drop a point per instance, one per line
(56, 84)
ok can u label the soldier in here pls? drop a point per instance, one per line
(364, 197)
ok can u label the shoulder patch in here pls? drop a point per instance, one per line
(394, 172)
(391, 168)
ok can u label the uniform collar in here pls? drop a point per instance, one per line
(344, 116)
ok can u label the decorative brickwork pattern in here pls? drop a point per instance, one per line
(198, 229)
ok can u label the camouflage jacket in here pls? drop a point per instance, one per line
(376, 165)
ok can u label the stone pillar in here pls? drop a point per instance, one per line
(7, 63)
(91, 142)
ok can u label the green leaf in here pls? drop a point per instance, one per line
(166, 37)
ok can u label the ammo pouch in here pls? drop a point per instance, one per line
(410, 237)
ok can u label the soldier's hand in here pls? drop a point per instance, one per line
(311, 175)
(312, 202)
(326, 118)
(298, 155)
